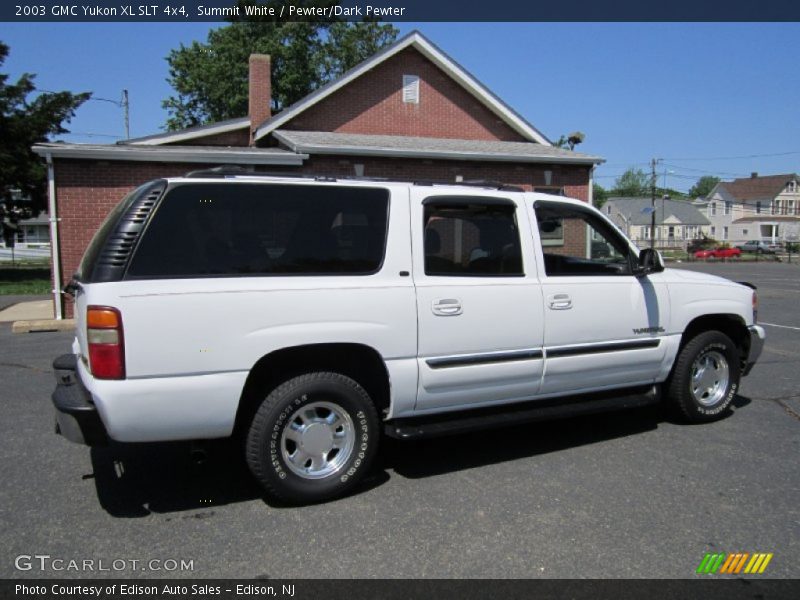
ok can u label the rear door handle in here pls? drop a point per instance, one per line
(559, 301)
(447, 307)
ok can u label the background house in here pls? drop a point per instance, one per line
(408, 113)
(677, 221)
(755, 208)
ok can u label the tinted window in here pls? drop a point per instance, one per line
(471, 239)
(262, 229)
(579, 242)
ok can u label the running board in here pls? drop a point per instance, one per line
(535, 410)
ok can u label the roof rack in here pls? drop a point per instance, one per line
(237, 171)
(483, 183)
(223, 171)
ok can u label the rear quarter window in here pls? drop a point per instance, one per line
(225, 229)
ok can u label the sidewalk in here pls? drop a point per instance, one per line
(31, 313)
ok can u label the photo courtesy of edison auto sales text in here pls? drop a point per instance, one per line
(152, 590)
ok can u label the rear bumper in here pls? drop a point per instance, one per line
(77, 418)
(757, 337)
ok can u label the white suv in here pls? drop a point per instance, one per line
(312, 316)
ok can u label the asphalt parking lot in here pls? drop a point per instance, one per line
(619, 495)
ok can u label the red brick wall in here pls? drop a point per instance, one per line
(373, 104)
(87, 190)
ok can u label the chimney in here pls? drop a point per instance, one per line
(260, 91)
(753, 174)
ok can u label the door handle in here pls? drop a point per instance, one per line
(559, 301)
(447, 307)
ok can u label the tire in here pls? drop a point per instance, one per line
(705, 377)
(313, 438)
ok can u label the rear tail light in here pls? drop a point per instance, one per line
(106, 342)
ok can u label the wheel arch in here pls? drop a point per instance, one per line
(360, 362)
(731, 325)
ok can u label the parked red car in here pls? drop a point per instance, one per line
(718, 253)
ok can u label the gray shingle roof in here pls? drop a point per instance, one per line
(323, 142)
(682, 210)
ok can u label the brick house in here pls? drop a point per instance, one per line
(764, 208)
(408, 113)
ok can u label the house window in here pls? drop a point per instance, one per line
(724, 233)
(792, 187)
(728, 206)
(713, 209)
(744, 232)
(713, 231)
(411, 89)
(645, 233)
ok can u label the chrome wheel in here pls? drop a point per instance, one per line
(710, 377)
(317, 440)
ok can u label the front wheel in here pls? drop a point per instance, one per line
(705, 377)
(313, 437)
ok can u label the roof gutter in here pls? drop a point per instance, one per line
(161, 154)
(308, 149)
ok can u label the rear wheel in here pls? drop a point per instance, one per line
(313, 437)
(705, 377)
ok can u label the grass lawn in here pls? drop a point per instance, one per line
(24, 279)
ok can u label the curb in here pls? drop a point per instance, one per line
(43, 325)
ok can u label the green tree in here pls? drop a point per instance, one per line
(210, 79)
(23, 123)
(599, 194)
(703, 187)
(633, 182)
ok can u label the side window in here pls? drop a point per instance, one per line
(576, 241)
(224, 229)
(466, 237)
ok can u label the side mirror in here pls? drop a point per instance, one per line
(650, 261)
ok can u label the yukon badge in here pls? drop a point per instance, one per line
(656, 329)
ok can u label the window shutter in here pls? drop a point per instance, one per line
(411, 89)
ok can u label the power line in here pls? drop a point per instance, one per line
(89, 134)
(122, 103)
(738, 157)
(706, 172)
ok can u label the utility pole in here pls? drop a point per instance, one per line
(653, 202)
(125, 108)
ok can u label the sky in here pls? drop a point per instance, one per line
(719, 99)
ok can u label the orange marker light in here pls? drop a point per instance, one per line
(102, 318)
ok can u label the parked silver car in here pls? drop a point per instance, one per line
(759, 247)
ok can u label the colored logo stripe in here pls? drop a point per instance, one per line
(721, 562)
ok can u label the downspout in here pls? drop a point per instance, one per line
(55, 249)
(590, 199)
